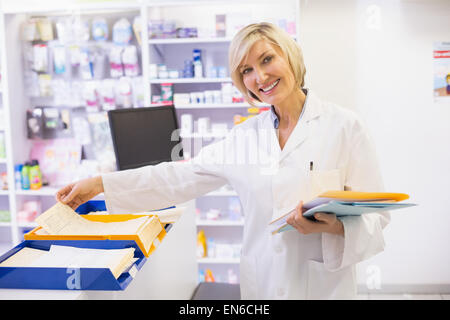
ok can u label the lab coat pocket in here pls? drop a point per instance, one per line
(248, 280)
(325, 180)
(325, 284)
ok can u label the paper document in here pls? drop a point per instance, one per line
(62, 220)
(344, 203)
(169, 215)
(117, 260)
(23, 258)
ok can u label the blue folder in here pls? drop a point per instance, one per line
(61, 278)
(342, 208)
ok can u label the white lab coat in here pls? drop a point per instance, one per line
(289, 265)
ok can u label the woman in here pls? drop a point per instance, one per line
(274, 161)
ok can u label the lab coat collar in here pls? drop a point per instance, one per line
(301, 131)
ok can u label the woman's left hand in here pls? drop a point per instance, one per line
(326, 222)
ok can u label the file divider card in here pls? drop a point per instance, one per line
(68, 278)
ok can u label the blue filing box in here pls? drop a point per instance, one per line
(71, 278)
(68, 278)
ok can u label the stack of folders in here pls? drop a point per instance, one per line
(60, 220)
(344, 203)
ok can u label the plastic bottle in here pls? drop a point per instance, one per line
(211, 248)
(198, 69)
(198, 66)
(252, 112)
(26, 176)
(232, 277)
(201, 276)
(209, 277)
(18, 176)
(35, 175)
(202, 251)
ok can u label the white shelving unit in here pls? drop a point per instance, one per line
(15, 100)
(201, 14)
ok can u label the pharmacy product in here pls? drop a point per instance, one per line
(35, 175)
(202, 251)
(204, 125)
(59, 59)
(86, 67)
(115, 62)
(40, 57)
(18, 176)
(167, 92)
(187, 124)
(198, 66)
(122, 33)
(80, 29)
(45, 29)
(26, 176)
(125, 92)
(64, 30)
(99, 29)
(130, 61)
(153, 71)
(90, 96)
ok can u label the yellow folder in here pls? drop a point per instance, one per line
(144, 237)
(364, 196)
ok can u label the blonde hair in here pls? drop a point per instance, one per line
(244, 40)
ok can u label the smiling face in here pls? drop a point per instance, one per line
(267, 74)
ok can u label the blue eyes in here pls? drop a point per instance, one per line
(264, 61)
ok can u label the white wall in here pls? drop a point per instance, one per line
(377, 60)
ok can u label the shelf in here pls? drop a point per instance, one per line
(220, 223)
(190, 80)
(189, 40)
(46, 192)
(219, 260)
(4, 192)
(216, 105)
(5, 224)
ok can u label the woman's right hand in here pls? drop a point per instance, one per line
(80, 192)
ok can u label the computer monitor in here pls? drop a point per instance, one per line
(144, 136)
